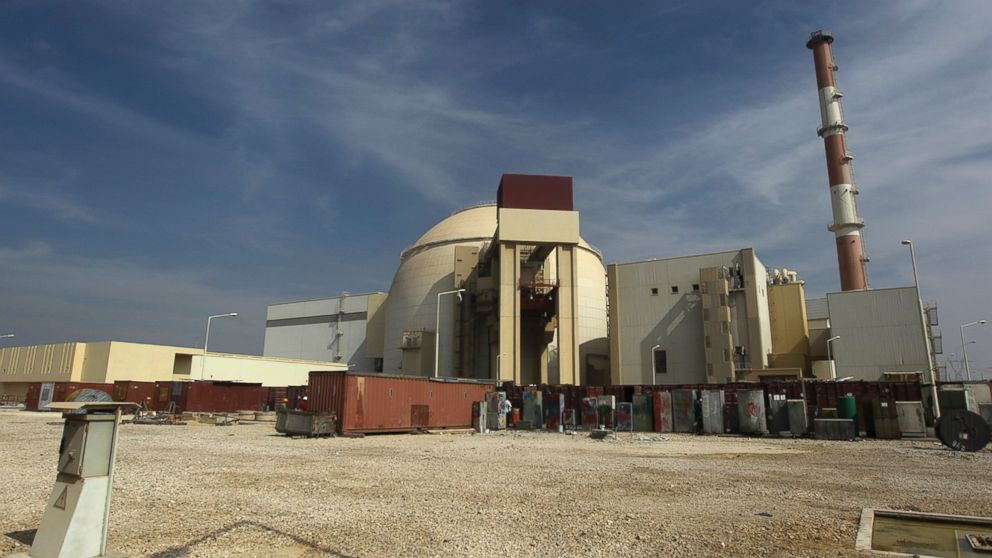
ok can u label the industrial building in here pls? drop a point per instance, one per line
(704, 319)
(109, 361)
(346, 329)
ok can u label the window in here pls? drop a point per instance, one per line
(654, 291)
(706, 314)
(723, 300)
(675, 289)
(695, 287)
(709, 368)
(660, 362)
(703, 289)
(726, 355)
(707, 340)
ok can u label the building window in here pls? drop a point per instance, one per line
(707, 340)
(723, 300)
(706, 314)
(726, 355)
(654, 291)
(675, 289)
(695, 287)
(709, 368)
(660, 362)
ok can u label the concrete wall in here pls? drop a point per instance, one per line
(788, 325)
(328, 330)
(880, 331)
(268, 371)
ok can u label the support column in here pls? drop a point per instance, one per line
(569, 362)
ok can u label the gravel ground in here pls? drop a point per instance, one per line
(202, 490)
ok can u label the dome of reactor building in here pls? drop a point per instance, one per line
(427, 268)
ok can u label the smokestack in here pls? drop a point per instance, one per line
(846, 225)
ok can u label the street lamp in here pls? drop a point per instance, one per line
(437, 327)
(6, 336)
(926, 338)
(830, 359)
(206, 341)
(964, 348)
(654, 362)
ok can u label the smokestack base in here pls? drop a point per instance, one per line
(817, 37)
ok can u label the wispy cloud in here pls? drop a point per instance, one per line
(47, 201)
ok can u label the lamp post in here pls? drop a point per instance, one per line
(654, 361)
(206, 341)
(830, 359)
(926, 338)
(437, 327)
(964, 348)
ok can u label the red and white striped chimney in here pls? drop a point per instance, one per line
(846, 225)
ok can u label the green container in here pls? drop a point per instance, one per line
(847, 408)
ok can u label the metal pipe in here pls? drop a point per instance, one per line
(830, 359)
(654, 371)
(437, 327)
(926, 337)
(964, 347)
(846, 224)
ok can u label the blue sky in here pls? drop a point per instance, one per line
(162, 161)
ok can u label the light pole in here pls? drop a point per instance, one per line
(206, 341)
(926, 338)
(6, 336)
(654, 371)
(437, 327)
(964, 348)
(830, 359)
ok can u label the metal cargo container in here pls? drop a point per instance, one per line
(798, 418)
(590, 413)
(779, 420)
(643, 412)
(305, 423)
(368, 403)
(751, 412)
(554, 406)
(218, 397)
(60, 392)
(884, 419)
(684, 415)
(662, 411)
(625, 417)
(533, 409)
(711, 404)
(834, 429)
(911, 421)
(607, 410)
(142, 393)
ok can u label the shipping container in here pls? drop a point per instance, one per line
(142, 393)
(60, 392)
(368, 403)
(218, 397)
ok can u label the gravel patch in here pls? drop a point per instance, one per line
(203, 490)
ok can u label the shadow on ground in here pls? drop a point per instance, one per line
(186, 549)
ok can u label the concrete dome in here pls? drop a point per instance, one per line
(427, 268)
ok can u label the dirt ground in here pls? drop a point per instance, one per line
(201, 490)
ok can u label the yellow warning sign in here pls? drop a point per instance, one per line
(60, 501)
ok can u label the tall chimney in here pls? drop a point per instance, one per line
(846, 225)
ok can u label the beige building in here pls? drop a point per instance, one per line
(110, 361)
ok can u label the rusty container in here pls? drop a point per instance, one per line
(368, 403)
(142, 393)
(218, 397)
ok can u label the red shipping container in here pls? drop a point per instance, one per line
(142, 393)
(218, 397)
(369, 403)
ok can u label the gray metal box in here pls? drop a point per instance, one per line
(85, 448)
(684, 417)
(834, 429)
(798, 418)
(911, 421)
(712, 406)
(779, 421)
(751, 412)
